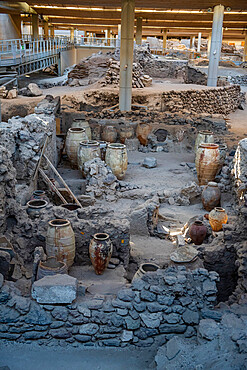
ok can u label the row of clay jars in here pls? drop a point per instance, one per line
(110, 133)
(198, 231)
(60, 243)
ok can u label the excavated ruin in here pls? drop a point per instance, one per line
(159, 288)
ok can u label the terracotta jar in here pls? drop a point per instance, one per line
(211, 196)
(109, 134)
(38, 194)
(117, 159)
(51, 267)
(126, 132)
(206, 137)
(142, 131)
(35, 207)
(207, 162)
(82, 123)
(197, 232)
(60, 241)
(100, 251)
(217, 217)
(73, 139)
(145, 267)
(87, 150)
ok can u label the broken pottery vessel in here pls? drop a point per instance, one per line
(60, 241)
(87, 150)
(217, 217)
(51, 267)
(211, 196)
(207, 162)
(126, 132)
(38, 194)
(145, 267)
(74, 137)
(82, 123)
(100, 251)
(116, 158)
(197, 232)
(204, 137)
(142, 131)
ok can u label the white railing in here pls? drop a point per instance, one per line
(95, 41)
(20, 51)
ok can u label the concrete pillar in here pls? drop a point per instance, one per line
(35, 26)
(216, 43)
(193, 42)
(209, 43)
(108, 36)
(118, 35)
(245, 47)
(72, 35)
(126, 54)
(199, 42)
(139, 31)
(164, 39)
(46, 29)
(10, 26)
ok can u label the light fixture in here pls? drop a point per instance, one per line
(209, 10)
(228, 8)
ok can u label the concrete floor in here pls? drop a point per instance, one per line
(30, 357)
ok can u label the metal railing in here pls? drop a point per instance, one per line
(14, 52)
(95, 42)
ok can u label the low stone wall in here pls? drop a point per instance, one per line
(165, 68)
(222, 100)
(239, 80)
(152, 309)
(195, 76)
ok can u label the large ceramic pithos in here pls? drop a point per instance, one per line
(109, 134)
(144, 268)
(207, 162)
(126, 132)
(142, 131)
(117, 159)
(82, 123)
(60, 241)
(217, 217)
(211, 196)
(206, 137)
(100, 251)
(87, 150)
(51, 267)
(197, 232)
(74, 137)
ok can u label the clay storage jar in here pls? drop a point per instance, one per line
(35, 207)
(82, 123)
(116, 157)
(217, 217)
(100, 251)
(51, 267)
(70, 206)
(197, 232)
(87, 150)
(211, 196)
(142, 131)
(60, 241)
(38, 194)
(103, 146)
(73, 139)
(207, 162)
(109, 134)
(144, 268)
(126, 132)
(206, 137)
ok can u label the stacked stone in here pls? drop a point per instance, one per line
(7, 185)
(238, 80)
(155, 307)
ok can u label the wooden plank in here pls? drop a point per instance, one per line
(40, 158)
(48, 181)
(58, 126)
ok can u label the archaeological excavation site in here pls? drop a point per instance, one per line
(123, 185)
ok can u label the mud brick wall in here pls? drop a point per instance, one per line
(161, 304)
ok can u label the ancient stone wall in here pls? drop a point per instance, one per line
(212, 100)
(153, 308)
(239, 80)
(7, 185)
